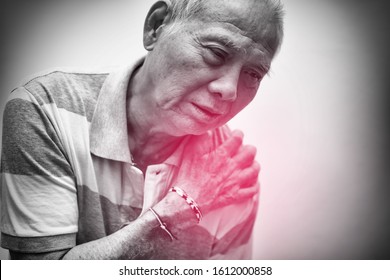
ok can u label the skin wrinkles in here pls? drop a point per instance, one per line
(187, 86)
(254, 53)
(258, 25)
(191, 79)
(237, 48)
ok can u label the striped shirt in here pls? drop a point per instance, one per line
(67, 175)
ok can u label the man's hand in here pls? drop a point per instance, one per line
(216, 178)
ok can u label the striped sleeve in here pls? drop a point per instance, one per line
(39, 199)
(233, 239)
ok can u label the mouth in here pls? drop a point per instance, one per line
(207, 112)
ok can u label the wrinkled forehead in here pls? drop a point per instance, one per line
(253, 17)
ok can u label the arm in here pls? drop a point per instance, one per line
(39, 193)
(134, 241)
(200, 177)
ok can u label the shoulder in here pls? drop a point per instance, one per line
(73, 91)
(59, 83)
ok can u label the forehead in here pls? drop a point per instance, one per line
(252, 18)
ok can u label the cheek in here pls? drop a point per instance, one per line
(183, 75)
(180, 60)
(245, 97)
(243, 100)
(177, 80)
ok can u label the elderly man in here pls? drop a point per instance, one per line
(138, 164)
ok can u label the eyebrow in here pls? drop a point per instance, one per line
(226, 41)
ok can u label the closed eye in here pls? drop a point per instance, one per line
(219, 52)
(252, 78)
(215, 55)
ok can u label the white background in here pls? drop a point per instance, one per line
(316, 120)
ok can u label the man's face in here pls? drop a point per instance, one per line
(209, 68)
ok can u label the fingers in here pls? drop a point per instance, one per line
(248, 176)
(245, 193)
(245, 156)
(231, 145)
(242, 178)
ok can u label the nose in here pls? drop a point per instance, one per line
(226, 84)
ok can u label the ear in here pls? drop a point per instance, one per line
(158, 16)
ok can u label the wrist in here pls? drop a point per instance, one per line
(174, 211)
(190, 201)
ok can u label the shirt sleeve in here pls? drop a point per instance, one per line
(39, 210)
(234, 231)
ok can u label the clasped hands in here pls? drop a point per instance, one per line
(219, 176)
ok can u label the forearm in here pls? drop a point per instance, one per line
(130, 242)
(136, 241)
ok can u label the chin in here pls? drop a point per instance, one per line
(186, 127)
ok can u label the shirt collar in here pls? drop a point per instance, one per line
(108, 133)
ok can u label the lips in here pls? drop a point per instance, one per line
(208, 110)
(205, 114)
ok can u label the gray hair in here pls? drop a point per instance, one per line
(182, 10)
(185, 9)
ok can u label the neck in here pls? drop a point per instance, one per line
(147, 141)
(150, 148)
